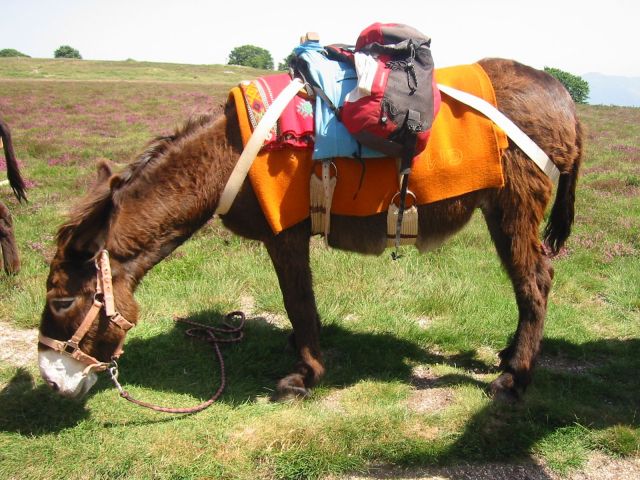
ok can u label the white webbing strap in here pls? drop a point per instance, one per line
(528, 146)
(253, 146)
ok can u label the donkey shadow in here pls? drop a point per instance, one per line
(592, 383)
(28, 409)
(173, 362)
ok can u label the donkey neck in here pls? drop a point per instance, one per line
(169, 198)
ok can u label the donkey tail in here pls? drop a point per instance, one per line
(558, 226)
(13, 172)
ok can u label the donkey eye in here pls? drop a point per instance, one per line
(61, 305)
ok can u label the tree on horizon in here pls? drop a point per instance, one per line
(251, 56)
(12, 52)
(65, 51)
(577, 87)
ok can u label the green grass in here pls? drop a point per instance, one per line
(457, 313)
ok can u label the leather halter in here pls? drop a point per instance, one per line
(103, 299)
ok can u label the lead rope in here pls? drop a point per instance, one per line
(231, 334)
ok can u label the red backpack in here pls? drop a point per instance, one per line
(397, 99)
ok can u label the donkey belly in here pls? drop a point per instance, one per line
(436, 222)
(367, 235)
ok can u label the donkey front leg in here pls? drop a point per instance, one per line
(289, 252)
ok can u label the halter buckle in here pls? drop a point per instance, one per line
(70, 347)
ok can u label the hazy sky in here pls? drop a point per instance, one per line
(573, 35)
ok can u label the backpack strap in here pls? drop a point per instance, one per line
(340, 53)
(301, 70)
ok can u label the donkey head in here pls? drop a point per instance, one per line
(73, 290)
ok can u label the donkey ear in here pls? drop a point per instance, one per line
(115, 182)
(88, 236)
(105, 173)
(85, 232)
(85, 247)
(105, 170)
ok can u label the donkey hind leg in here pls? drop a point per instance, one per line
(531, 274)
(289, 252)
(10, 256)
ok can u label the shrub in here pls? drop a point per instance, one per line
(251, 56)
(12, 52)
(284, 65)
(575, 85)
(65, 51)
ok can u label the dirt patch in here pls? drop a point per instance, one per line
(488, 471)
(596, 242)
(431, 400)
(601, 467)
(422, 377)
(564, 365)
(606, 168)
(429, 395)
(333, 402)
(248, 306)
(618, 249)
(18, 347)
(425, 322)
(43, 248)
(273, 319)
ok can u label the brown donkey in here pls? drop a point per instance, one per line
(10, 257)
(173, 188)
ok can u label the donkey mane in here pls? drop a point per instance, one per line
(157, 147)
(91, 211)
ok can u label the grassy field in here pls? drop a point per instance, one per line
(407, 368)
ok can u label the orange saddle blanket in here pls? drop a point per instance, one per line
(463, 155)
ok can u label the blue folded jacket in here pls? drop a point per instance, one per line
(336, 79)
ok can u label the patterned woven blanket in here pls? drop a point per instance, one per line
(463, 155)
(294, 128)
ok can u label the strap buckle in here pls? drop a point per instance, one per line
(70, 347)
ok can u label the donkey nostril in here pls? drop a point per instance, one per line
(54, 386)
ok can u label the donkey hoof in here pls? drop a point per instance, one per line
(291, 386)
(504, 389)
